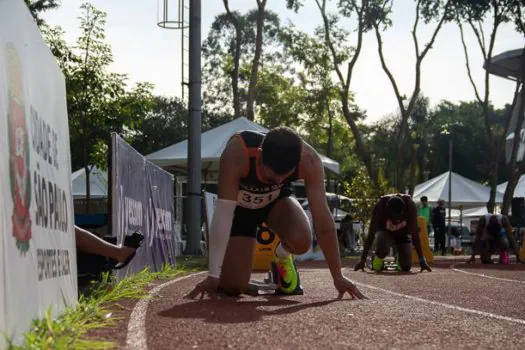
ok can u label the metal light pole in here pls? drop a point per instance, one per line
(329, 147)
(194, 132)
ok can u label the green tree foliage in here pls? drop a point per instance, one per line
(431, 129)
(228, 53)
(38, 6)
(280, 100)
(98, 100)
(166, 123)
(342, 143)
(462, 122)
(364, 193)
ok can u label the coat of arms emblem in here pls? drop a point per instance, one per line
(19, 150)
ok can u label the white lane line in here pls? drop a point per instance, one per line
(486, 276)
(447, 306)
(136, 338)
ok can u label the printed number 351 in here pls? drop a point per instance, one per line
(255, 199)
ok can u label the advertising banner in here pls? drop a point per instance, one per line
(142, 201)
(38, 256)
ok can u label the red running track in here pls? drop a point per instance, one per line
(445, 309)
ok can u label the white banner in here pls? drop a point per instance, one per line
(3, 228)
(38, 248)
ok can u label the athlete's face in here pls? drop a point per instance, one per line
(268, 174)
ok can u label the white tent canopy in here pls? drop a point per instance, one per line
(465, 192)
(472, 213)
(519, 191)
(213, 142)
(98, 183)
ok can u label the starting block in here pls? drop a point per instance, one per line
(256, 287)
(389, 265)
(267, 287)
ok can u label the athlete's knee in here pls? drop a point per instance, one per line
(382, 244)
(405, 267)
(299, 243)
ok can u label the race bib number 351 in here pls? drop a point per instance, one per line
(256, 200)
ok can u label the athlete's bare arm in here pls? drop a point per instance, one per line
(512, 240)
(477, 240)
(373, 228)
(413, 227)
(324, 225)
(232, 165)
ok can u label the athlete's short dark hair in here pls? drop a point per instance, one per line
(281, 150)
(395, 208)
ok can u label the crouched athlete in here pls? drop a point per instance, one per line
(494, 235)
(394, 223)
(255, 176)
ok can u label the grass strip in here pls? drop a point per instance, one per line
(68, 330)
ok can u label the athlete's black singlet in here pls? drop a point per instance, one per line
(254, 193)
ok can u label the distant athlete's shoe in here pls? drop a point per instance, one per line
(504, 258)
(286, 276)
(398, 266)
(378, 264)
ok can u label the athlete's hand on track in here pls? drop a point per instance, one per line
(424, 266)
(360, 265)
(344, 285)
(207, 286)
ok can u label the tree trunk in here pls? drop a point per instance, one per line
(235, 76)
(329, 184)
(250, 101)
(514, 172)
(494, 166)
(399, 166)
(235, 48)
(88, 188)
(421, 161)
(361, 149)
(413, 167)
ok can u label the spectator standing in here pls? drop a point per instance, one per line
(438, 225)
(425, 211)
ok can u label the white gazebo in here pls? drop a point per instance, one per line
(98, 183)
(465, 192)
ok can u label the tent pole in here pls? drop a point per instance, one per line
(449, 184)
